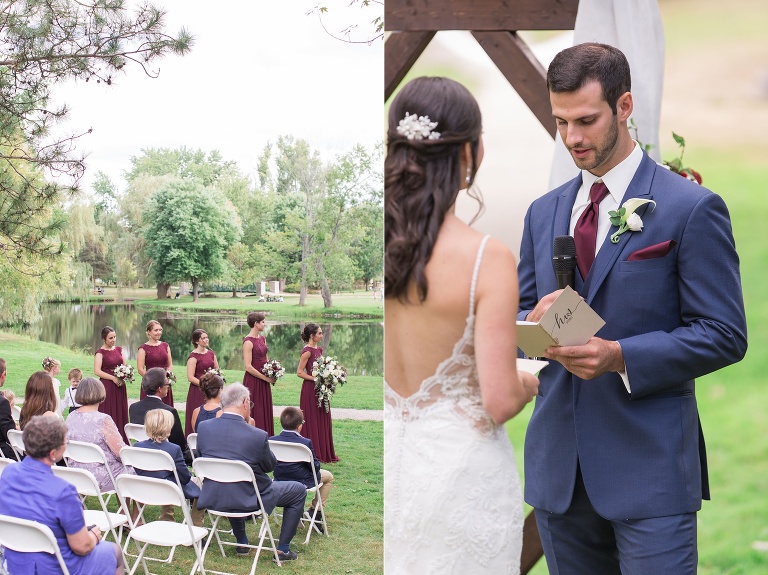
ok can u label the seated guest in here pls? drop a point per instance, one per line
(230, 437)
(292, 421)
(211, 385)
(39, 397)
(6, 417)
(156, 385)
(31, 491)
(158, 423)
(89, 425)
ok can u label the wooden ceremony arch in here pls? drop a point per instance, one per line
(494, 24)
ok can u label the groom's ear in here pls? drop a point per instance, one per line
(624, 107)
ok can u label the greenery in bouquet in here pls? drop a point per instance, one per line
(124, 373)
(273, 369)
(675, 165)
(170, 375)
(328, 373)
(215, 371)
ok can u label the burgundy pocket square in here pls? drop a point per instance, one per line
(654, 251)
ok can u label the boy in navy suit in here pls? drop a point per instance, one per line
(292, 420)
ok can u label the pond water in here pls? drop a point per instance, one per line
(357, 346)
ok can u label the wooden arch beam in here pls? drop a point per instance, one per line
(494, 24)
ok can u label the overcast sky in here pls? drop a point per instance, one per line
(257, 70)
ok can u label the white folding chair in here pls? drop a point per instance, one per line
(87, 486)
(297, 453)
(192, 442)
(26, 536)
(5, 462)
(16, 441)
(16, 413)
(135, 432)
(230, 471)
(84, 452)
(150, 491)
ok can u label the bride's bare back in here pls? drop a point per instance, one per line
(419, 336)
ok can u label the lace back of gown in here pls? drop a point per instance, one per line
(452, 494)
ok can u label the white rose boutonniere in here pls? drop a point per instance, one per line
(626, 218)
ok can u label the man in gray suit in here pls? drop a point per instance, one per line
(230, 437)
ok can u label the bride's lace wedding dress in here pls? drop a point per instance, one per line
(452, 497)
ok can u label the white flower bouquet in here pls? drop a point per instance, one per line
(328, 373)
(124, 373)
(170, 375)
(273, 369)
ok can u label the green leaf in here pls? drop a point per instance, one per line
(679, 139)
(675, 164)
(613, 214)
(615, 220)
(622, 211)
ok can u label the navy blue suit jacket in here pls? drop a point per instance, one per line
(676, 317)
(230, 437)
(137, 411)
(301, 471)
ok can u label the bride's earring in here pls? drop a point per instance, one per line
(468, 178)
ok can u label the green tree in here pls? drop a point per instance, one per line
(181, 162)
(42, 43)
(352, 180)
(300, 173)
(190, 228)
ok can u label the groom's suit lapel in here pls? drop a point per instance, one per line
(608, 255)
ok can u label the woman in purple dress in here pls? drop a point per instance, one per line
(106, 359)
(155, 353)
(260, 385)
(317, 423)
(201, 359)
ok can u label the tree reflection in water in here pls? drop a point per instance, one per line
(358, 346)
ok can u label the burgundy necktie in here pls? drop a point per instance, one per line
(585, 232)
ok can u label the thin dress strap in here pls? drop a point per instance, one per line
(478, 259)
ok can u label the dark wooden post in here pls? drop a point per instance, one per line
(494, 25)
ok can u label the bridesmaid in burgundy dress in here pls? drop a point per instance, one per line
(107, 358)
(155, 353)
(198, 361)
(260, 386)
(317, 423)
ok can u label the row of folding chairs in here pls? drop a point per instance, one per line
(286, 452)
(16, 533)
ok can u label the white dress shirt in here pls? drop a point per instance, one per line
(617, 181)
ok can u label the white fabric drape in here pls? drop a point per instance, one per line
(635, 28)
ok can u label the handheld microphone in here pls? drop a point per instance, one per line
(564, 261)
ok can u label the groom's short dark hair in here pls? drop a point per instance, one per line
(573, 67)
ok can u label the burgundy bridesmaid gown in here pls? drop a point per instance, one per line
(157, 356)
(116, 403)
(195, 396)
(261, 391)
(317, 423)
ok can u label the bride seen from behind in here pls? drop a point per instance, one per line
(453, 502)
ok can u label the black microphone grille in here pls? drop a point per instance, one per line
(564, 255)
(564, 246)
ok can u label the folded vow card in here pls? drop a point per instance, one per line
(568, 321)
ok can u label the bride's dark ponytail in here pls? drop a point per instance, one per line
(422, 177)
